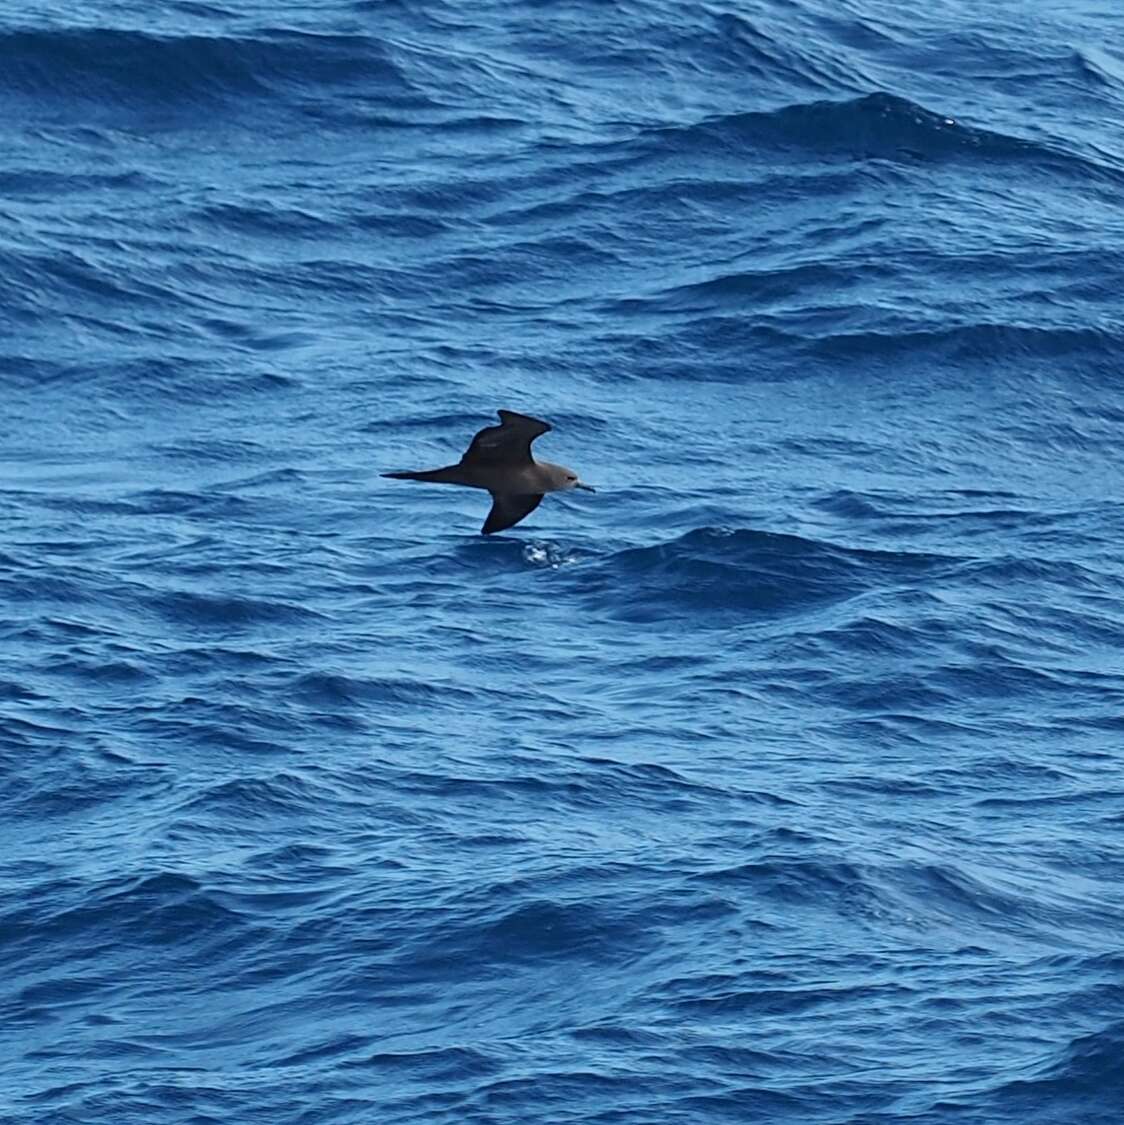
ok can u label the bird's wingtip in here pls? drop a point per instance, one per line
(513, 417)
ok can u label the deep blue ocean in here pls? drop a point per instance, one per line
(780, 781)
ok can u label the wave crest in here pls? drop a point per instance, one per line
(138, 70)
(875, 126)
(719, 572)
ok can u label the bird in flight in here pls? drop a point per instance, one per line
(499, 460)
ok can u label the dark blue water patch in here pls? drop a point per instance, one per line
(399, 225)
(35, 274)
(168, 501)
(756, 286)
(990, 343)
(543, 930)
(46, 182)
(10, 690)
(334, 692)
(266, 218)
(245, 799)
(1075, 576)
(162, 908)
(877, 126)
(1077, 1082)
(876, 637)
(747, 306)
(213, 725)
(717, 575)
(959, 505)
(744, 45)
(104, 69)
(171, 376)
(793, 882)
(99, 669)
(211, 449)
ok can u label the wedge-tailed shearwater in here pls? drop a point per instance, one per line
(499, 460)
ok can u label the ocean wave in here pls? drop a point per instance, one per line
(544, 930)
(780, 778)
(716, 574)
(998, 342)
(1079, 1082)
(206, 610)
(750, 287)
(248, 798)
(163, 906)
(141, 71)
(335, 691)
(1100, 65)
(772, 56)
(880, 125)
(714, 313)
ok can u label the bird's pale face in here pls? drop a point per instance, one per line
(563, 479)
(573, 482)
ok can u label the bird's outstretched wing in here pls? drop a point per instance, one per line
(509, 443)
(509, 508)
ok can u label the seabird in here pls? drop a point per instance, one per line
(499, 460)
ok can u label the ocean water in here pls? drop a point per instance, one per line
(782, 780)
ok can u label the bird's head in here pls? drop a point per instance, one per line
(563, 479)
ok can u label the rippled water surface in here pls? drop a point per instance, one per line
(781, 780)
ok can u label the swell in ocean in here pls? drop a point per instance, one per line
(779, 779)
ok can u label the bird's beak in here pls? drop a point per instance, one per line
(587, 487)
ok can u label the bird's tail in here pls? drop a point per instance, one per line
(451, 474)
